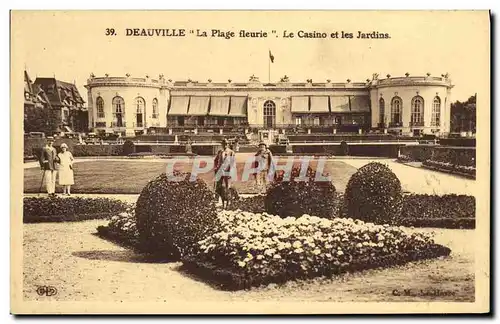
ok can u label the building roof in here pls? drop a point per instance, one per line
(60, 93)
(27, 83)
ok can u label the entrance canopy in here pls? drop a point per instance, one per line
(319, 104)
(300, 104)
(360, 104)
(178, 106)
(238, 107)
(219, 106)
(198, 106)
(339, 104)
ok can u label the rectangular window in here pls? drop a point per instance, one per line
(201, 121)
(316, 121)
(220, 121)
(298, 121)
(180, 121)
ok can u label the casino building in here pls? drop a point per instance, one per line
(408, 105)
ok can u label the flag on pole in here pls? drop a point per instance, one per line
(271, 57)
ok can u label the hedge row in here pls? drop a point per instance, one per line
(457, 156)
(469, 172)
(417, 153)
(58, 209)
(117, 150)
(470, 142)
(419, 210)
(463, 156)
(379, 150)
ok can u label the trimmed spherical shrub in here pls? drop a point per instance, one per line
(128, 147)
(373, 194)
(295, 197)
(174, 215)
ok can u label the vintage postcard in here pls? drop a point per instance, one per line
(250, 162)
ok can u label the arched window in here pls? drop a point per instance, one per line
(118, 111)
(436, 112)
(396, 108)
(139, 105)
(269, 113)
(118, 105)
(99, 102)
(417, 111)
(381, 105)
(154, 107)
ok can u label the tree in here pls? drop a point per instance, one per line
(37, 119)
(463, 115)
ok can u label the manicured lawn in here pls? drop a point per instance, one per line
(129, 177)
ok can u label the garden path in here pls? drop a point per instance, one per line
(84, 267)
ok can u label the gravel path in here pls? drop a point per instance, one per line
(84, 267)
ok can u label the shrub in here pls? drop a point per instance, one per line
(128, 147)
(462, 156)
(97, 150)
(374, 194)
(295, 197)
(418, 153)
(173, 215)
(254, 204)
(57, 209)
(450, 211)
(254, 249)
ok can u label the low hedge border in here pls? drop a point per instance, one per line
(227, 279)
(69, 209)
(410, 216)
(119, 238)
(451, 223)
(65, 218)
(453, 169)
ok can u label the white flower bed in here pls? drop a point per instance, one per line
(125, 223)
(263, 245)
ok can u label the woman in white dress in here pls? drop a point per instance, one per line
(66, 169)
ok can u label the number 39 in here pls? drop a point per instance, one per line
(110, 31)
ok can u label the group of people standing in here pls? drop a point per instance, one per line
(225, 158)
(55, 164)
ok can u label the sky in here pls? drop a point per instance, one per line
(71, 45)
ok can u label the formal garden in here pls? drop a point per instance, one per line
(296, 231)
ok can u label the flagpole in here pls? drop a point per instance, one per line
(269, 68)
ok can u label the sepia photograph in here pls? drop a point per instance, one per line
(250, 162)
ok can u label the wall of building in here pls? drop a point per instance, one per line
(258, 93)
(129, 95)
(426, 88)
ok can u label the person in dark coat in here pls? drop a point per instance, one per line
(49, 164)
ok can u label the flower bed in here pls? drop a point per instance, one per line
(57, 209)
(254, 249)
(404, 158)
(122, 229)
(467, 171)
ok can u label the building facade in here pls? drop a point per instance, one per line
(67, 104)
(37, 108)
(403, 105)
